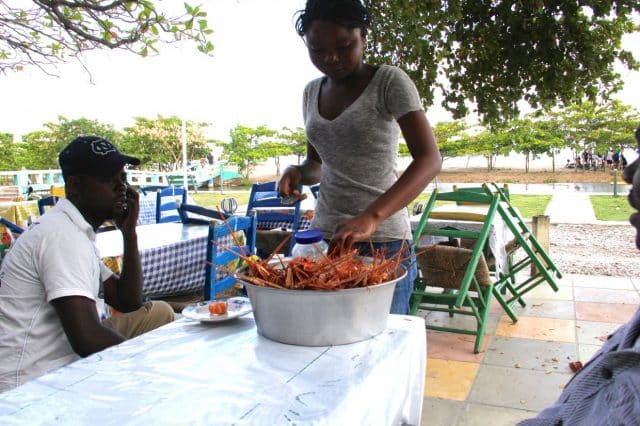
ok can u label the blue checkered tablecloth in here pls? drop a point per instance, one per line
(272, 224)
(174, 269)
(168, 267)
(147, 214)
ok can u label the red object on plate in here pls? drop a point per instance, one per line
(218, 308)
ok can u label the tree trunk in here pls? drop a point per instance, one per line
(526, 162)
(277, 160)
(553, 160)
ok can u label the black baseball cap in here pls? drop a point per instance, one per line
(93, 156)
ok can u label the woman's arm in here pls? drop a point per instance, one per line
(426, 165)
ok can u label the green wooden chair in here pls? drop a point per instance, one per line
(534, 254)
(454, 279)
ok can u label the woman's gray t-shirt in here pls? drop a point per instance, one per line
(359, 150)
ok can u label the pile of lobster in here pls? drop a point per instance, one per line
(340, 269)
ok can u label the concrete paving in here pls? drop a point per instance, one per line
(571, 207)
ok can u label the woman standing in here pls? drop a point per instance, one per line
(353, 118)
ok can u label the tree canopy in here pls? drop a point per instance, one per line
(47, 32)
(493, 54)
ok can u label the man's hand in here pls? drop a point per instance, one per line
(128, 220)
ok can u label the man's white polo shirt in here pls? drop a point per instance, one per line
(57, 257)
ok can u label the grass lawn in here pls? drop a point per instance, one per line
(212, 200)
(529, 205)
(608, 207)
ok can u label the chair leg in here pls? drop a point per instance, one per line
(482, 315)
(505, 306)
(416, 298)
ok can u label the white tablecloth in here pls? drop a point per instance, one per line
(225, 373)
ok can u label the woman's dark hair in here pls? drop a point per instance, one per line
(348, 13)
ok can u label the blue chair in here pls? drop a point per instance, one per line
(216, 279)
(167, 204)
(11, 226)
(269, 209)
(203, 214)
(152, 188)
(47, 201)
(315, 190)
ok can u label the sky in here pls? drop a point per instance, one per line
(255, 76)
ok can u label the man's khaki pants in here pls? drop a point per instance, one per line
(149, 317)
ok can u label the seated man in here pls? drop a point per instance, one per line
(605, 390)
(52, 276)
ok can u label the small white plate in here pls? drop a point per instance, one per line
(236, 307)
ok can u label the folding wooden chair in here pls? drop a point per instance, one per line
(455, 279)
(535, 255)
(219, 259)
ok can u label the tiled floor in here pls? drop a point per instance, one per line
(525, 365)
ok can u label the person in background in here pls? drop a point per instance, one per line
(31, 195)
(50, 282)
(606, 391)
(353, 118)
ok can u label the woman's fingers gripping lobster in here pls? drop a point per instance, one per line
(358, 228)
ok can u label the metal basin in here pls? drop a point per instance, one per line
(321, 318)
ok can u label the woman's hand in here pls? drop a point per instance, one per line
(351, 231)
(289, 183)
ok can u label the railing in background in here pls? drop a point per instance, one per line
(42, 180)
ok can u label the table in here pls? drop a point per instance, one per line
(469, 218)
(225, 373)
(18, 212)
(173, 256)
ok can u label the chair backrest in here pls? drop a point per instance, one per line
(167, 204)
(152, 188)
(315, 190)
(224, 245)
(191, 213)
(11, 226)
(503, 191)
(51, 200)
(270, 210)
